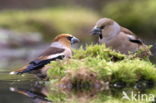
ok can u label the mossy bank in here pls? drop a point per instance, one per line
(99, 68)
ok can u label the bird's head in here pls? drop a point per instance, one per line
(103, 27)
(66, 39)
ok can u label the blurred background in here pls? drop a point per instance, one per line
(28, 26)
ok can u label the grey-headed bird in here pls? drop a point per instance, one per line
(117, 37)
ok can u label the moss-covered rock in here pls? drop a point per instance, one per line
(107, 65)
(96, 69)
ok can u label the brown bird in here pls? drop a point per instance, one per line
(117, 37)
(60, 48)
(38, 94)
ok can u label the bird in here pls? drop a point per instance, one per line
(117, 37)
(59, 49)
(38, 93)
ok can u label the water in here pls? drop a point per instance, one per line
(27, 89)
(6, 96)
(9, 83)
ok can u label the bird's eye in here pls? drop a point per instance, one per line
(102, 27)
(69, 38)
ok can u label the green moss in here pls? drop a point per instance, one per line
(54, 95)
(100, 59)
(96, 63)
(100, 52)
(133, 70)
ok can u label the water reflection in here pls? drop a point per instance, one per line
(28, 86)
(38, 94)
(6, 96)
(30, 90)
(103, 94)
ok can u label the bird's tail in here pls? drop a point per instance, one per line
(25, 92)
(32, 94)
(19, 91)
(19, 71)
(35, 65)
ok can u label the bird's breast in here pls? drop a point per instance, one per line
(68, 53)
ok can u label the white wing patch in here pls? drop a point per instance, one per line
(55, 55)
(131, 36)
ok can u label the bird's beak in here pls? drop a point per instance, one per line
(96, 31)
(74, 40)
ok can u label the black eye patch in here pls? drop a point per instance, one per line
(102, 27)
(69, 38)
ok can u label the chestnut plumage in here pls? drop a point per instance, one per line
(59, 49)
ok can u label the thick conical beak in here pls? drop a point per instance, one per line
(74, 40)
(96, 31)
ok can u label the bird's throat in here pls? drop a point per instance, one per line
(100, 36)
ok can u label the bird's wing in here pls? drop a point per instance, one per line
(127, 31)
(52, 51)
(131, 36)
(35, 95)
(46, 57)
